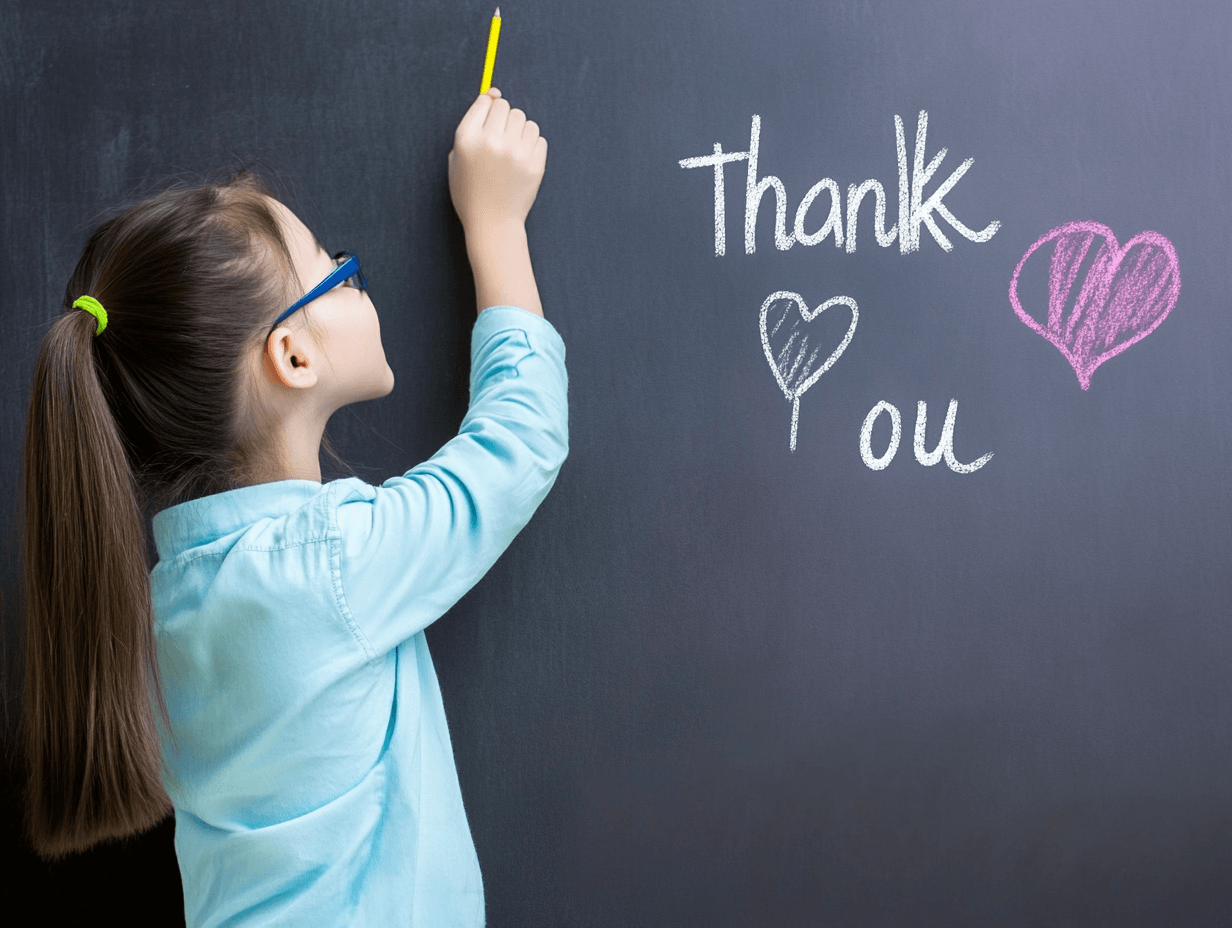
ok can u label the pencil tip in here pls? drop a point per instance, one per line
(497, 13)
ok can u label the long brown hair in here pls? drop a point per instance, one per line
(159, 408)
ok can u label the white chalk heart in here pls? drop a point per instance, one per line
(794, 361)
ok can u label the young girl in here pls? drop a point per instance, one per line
(269, 679)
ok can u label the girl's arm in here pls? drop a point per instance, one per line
(413, 546)
(495, 168)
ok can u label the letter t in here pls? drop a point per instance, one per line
(718, 159)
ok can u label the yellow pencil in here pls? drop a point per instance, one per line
(489, 60)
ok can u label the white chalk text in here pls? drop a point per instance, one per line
(914, 209)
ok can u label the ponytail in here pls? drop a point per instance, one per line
(90, 663)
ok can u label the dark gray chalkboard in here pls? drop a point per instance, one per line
(718, 681)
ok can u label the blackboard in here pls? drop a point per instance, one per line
(722, 680)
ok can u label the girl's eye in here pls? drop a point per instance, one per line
(353, 280)
(342, 283)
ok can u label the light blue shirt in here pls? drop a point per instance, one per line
(312, 772)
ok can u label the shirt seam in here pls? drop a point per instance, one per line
(185, 558)
(334, 538)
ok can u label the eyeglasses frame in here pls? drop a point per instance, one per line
(349, 268)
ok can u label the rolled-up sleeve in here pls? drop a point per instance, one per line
(413, 546)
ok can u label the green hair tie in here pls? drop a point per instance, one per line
(91, 305)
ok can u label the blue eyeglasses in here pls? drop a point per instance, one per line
(348, 272)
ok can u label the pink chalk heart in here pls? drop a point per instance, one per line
(1127, 292)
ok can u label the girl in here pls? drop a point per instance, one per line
(269, 679)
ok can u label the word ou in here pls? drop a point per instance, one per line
(913, 209)
(791, 360)
(945, 447)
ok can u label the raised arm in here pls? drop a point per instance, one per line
(495, 167)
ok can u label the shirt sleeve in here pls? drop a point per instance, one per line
(415, 545)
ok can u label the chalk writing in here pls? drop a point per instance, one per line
(866, 435)
(854, 196)
(834, 221)
(789, 344)
(945, 445)
(1127, 292)
(784, 318)
(914, 209)
(911, 211)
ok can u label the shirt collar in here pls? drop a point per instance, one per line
(201, 521)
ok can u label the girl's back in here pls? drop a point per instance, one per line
(309, 714)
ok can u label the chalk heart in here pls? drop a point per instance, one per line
(784, 319)
(1127, 292)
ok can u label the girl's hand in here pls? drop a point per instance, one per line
(495, 165)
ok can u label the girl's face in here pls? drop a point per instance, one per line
(350, 364)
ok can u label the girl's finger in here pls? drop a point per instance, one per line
(514, 124)
(497, 116)
(473, 119)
